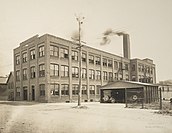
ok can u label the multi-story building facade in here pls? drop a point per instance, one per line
(46, 69)
(143, 70)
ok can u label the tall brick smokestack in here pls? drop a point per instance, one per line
(126, 46)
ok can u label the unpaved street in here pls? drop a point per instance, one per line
(97, 118)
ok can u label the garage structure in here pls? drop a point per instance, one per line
(129, 92)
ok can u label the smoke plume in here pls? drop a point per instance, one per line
(109, 33)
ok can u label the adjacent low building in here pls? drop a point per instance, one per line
(129, 92)
(3, 88)
(46, 69)
(10, 86)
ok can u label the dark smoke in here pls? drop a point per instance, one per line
(107, 34)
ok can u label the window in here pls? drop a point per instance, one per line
(109, 63)
(104, 62)
(54, 51)
(64, 71)
(17, 75)
(41, 51)
(126, 67)
(140, 68)
(54, 70)
(75, 89)
(151, 70)
(84, 90)
(74, 55)
(133, 67)
(83, 57)
(42, 70)
(64, 53)
(32, 54)
(115, 65)
(116, 76)
(98, 75)
(91, 74)
(17, 60)
(127, 77)
(162, 88)
(151, 79)
(148, 70)
(141, 78)
(133, 78)
(110, 76)
(65, 89)
(24, 57)
(120, 76)
(18, 91)
(98, 89)
(120, 66)
(143, 68)
(42, 89)
(84, 73)
(25, 88)
(75, 72)
(104, 75)
(54, 89)
(97, 60)
(32, 72)
(92, 89)
(25, 74)
(91, 59)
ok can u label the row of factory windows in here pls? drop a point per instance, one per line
(142, 68)
(64, 88)
(64, 53)
(64, 72)
(146, 80)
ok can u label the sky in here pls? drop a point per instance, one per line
(148, 22)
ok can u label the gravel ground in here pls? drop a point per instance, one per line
(28, 117)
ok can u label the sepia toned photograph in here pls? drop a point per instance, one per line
(85, 66)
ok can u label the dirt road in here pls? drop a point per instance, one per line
(97, 118)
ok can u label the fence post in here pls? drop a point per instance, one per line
(142, 98)
(160, 95)
(126, 104)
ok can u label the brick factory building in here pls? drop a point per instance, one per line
(46, 70)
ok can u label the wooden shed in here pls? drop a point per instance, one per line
(129, 91)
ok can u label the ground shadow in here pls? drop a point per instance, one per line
(18, 103)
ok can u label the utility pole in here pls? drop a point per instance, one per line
(79, 20)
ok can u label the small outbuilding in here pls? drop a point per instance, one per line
(10, 86)
(3, 88)
(128, 92)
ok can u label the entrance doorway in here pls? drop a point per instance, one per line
(118, 95)
(33, 93)
(24, 94)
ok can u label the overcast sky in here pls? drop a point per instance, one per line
(148, 22)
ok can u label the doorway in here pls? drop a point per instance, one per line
(118, 95)
(24, 94)
(33, 93)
